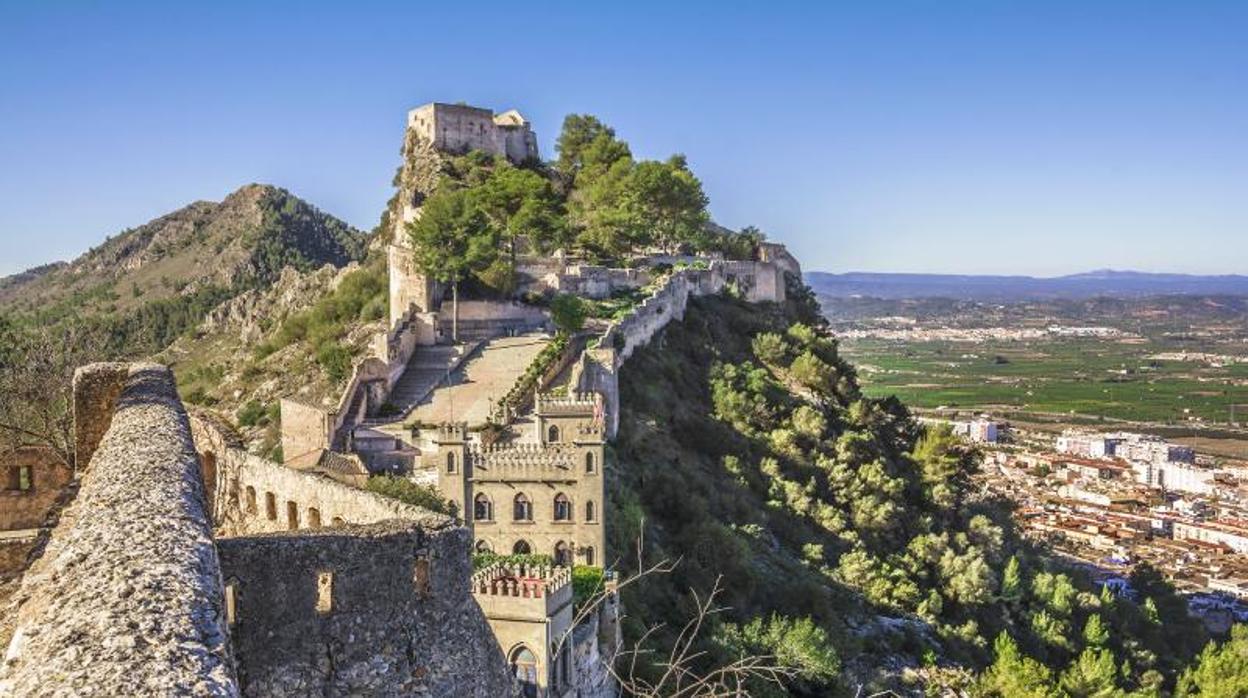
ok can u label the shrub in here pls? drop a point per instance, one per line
(335, 359)
(408, 492)
(586, 581)
(568, 312)
(251, 414)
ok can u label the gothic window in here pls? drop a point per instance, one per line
(522, 508)
(590, 514)
(563, 554)
(314, 517)
(589, 555)
(589, 462)
(524, 668)
(563, 508)
(450, 461)
(482, 510)
(552, 434)
(483, 546)
(521, 548)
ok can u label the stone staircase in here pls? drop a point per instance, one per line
(427, 368)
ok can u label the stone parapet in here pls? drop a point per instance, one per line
(127, 597)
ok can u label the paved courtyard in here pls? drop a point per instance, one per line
(485, 377)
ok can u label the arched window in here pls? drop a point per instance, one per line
(563, 554)
(589, 554)
(589, 462)
(450, 461)
(552, 434)
(482, 509)
(251, 499)
(337, 521)
(292, 516)
(524, 668)
(522, 508)
(483, 546)
(563, 508)
(590, 514)
(270, 506)
(521, 548)
(314, 517)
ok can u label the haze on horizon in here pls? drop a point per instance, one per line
(977, 137)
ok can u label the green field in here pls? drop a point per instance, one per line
(1089, 377)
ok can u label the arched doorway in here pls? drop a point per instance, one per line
(524, 668)
(521, 548)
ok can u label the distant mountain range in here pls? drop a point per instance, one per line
(1105, 282)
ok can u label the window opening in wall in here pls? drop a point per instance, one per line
(524, 668)
(324, 592)
(420, 576)
(231, 601)
(521, 548)
(270, 506)
(522, 508)
(25, 478)
(483, 546)
(314, 517)
(589, 555)
(481, 508)
(450, 462)
(563, 508)
(552, 434)
(337, 521)
(563, 556)
(589, 462)
(251, 500)
(590, 514)
(292, 516)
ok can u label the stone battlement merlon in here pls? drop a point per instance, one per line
(575, 404)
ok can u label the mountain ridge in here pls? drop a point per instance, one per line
(1100, 282)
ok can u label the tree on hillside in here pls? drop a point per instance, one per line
(568, 313)
(519, 203)
(452, 238)
(36, 371)
(587, 148)
(665, 204)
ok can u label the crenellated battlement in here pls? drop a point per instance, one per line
(576, 404)
(452, 432)
(534, 592)
(522, 461)
(527, 581)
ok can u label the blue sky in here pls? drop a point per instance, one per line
(944, 136)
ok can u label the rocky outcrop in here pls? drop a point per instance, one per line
(248, 314)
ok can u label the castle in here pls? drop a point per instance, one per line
(186, 565)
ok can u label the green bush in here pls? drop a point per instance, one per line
(251, 414)
(409, 492)
(586, 581)
(335, 359)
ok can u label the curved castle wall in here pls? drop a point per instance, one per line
(127, 598)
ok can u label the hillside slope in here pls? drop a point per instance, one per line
(844, 536)
(243, 241)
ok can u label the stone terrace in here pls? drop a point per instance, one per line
(487, 376)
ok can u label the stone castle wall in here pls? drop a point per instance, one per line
(47, 476)
(382, 609)
(755, 281)
(245, 485)
(127, 597)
